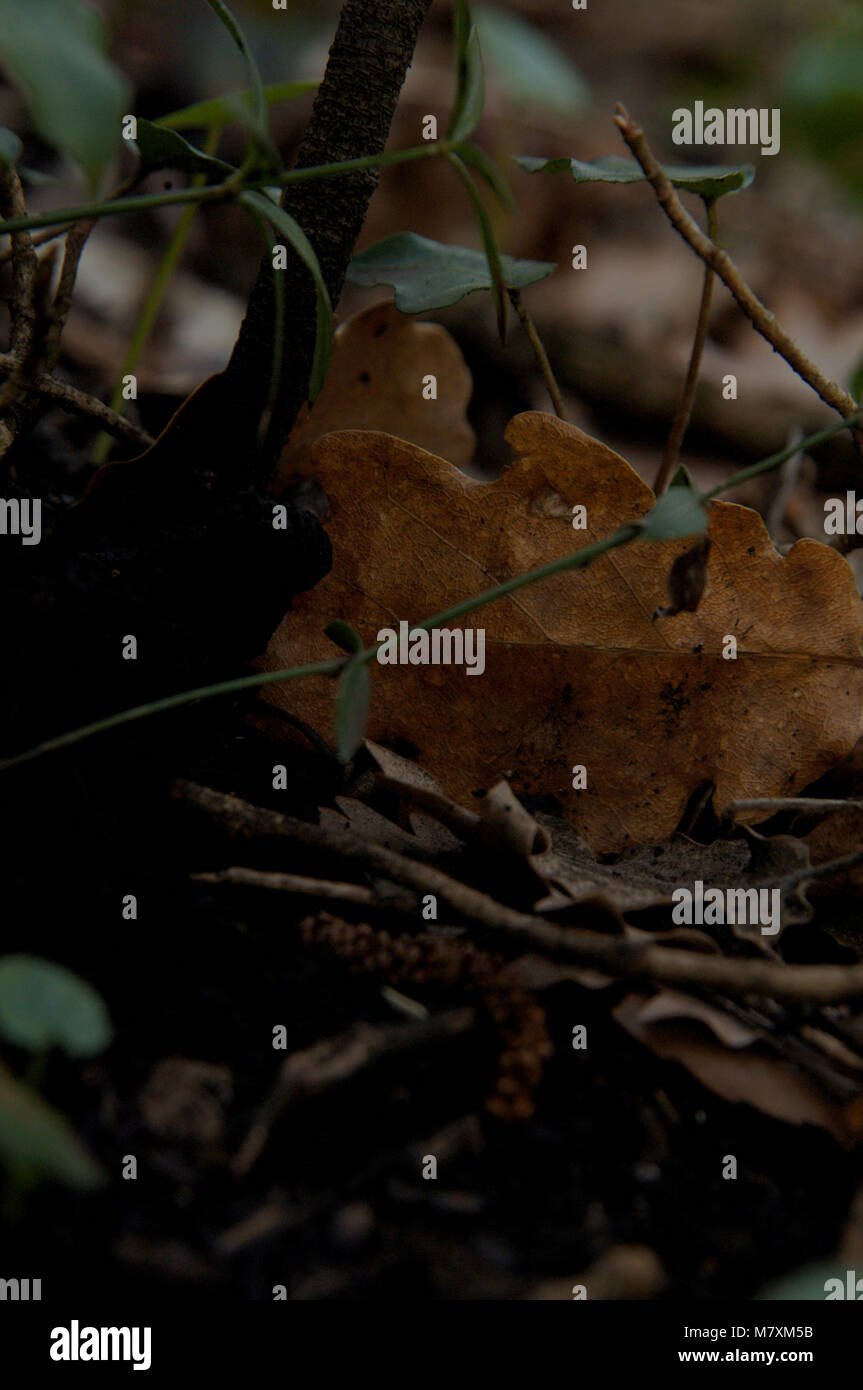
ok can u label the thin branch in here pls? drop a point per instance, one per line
(336, 1060)
(539, 353)
(354, 893)
(79, 403)
(772, 804)
(40, 239)
(687, 396)
(25, 267)
(76, 240)
(719, 261)
(610, 955)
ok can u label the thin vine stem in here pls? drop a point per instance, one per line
(539, 352)
(687, 396)
(153, 303)
(574, 560)
(220, 192)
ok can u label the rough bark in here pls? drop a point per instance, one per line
(368, 61)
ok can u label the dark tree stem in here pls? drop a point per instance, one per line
(351, 118)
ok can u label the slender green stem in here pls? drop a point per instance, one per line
(266, 230)
(539, 352)
(687, 395)
(154, 300)
(489, 241)
(801, 447)
(575, 560)
(218, 192)
(256, 86)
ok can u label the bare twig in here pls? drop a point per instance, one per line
(720, 262)
(335, 1060)
(76, 239)
(79, 403)
(772, 804)
(539, 353)
(25, 266)
(610, 955)
(687, 396)
(309, 887)
(40, 239)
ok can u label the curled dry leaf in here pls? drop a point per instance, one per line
(732, 1065)
(576, 672)
(380, 362)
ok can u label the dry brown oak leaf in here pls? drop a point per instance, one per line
(576, 670)
(381, 361)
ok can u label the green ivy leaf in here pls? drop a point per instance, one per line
(34, 1135)
(710, 181)
(677, 513)
(161, 148)
(44, 1005)
(296, 237)
(428, 275)
(10, 148)
(855, 385)
(235, 106)
(532, 69)
(54, 51)
(352, 708)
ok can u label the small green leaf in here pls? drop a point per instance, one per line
(256, 87)
(428, 275)
(479, 160)
(677, 513)
(709, 181)
(683, 478)
(35, 1135)
(352, 707)
(533, 70)
(235, 106)
(344, 636)
(44, 1005)
(855, 385)
(10, 148)
(54, 51)
(161, 148)
(296, 237)
(470, 93)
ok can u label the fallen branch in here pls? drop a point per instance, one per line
(79, 403)
(720, 262)
(820, 984)
(333, 1061)
(309, 888)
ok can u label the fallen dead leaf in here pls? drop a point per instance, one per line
(732, 1069)
(375, 382)
(576, 671)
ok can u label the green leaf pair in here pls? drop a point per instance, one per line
(709, 181)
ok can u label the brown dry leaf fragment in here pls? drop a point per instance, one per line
(375, 382)
(840, 834)
(748, 1075)
(576, 672)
